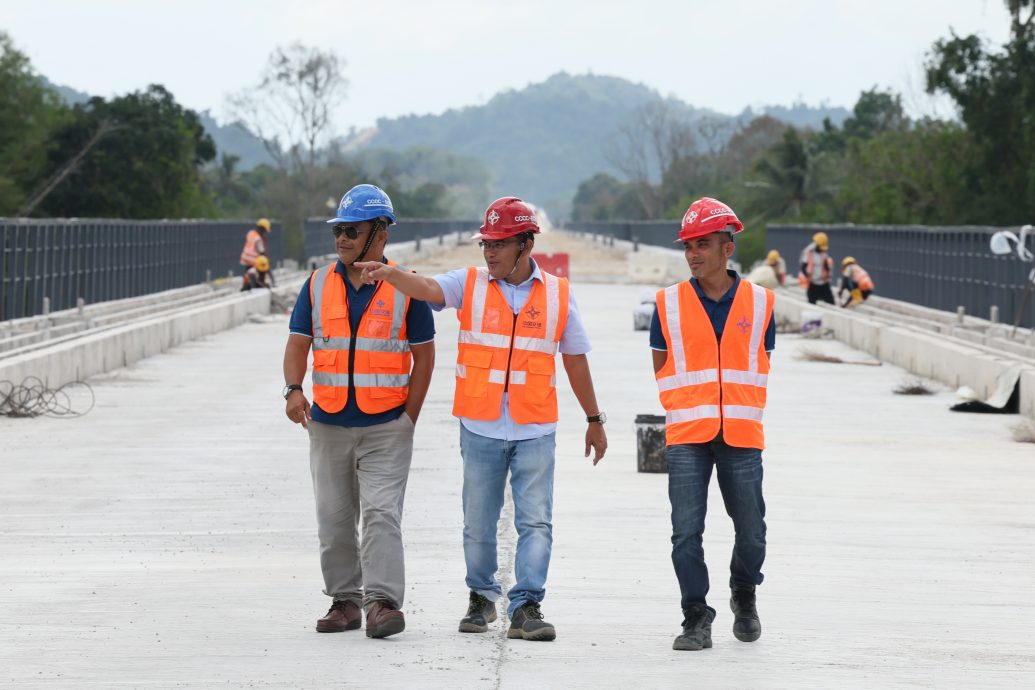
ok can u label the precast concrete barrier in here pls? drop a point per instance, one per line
(921, 352)
(121, 346)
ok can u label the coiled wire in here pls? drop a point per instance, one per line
(32, 398)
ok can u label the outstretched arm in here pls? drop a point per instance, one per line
(577, 368)
(418, 287)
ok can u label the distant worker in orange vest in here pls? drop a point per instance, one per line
(256, 244)
(854, 280)
(256, 276)
(373, 354)
(711, 337)
(815, 270)
(514, 318)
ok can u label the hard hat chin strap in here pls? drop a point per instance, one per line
(378, 225)
(521, 250)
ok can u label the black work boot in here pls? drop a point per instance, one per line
(480, 613)
(746, 626)
(527, 624)
(697, 629)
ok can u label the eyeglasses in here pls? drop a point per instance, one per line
(495, 245)
(350, 231)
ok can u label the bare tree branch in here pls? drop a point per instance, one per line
(105, 128)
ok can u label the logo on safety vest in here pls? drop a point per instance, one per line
(380, 309)
(532, 313)
(493, 217)
(744, 325)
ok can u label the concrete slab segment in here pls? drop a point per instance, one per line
(167, 539)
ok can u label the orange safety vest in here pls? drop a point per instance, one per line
(708, 387)
(810, 257)
(503, 351)
(858, 274)
(252, 245)
(379, 349)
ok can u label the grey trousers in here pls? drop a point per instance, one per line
(361, 472)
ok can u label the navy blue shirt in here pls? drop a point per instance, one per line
(420, 328)
(717, 312)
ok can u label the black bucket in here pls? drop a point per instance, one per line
(650, 443)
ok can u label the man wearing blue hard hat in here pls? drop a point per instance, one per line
(373, 354)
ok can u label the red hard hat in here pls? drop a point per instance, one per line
(708, 215)
(506, 217)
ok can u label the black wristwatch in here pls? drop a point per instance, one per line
(599, 417)
(289, 388)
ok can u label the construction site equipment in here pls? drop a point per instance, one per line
(650, 443)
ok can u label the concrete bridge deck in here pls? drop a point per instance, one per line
(167, 538)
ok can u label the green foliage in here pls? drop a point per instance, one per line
(602, 197)
(28, 113)
(995, 93)
(145, 167)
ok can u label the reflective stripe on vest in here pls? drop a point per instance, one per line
(821, 276)
(708, 387)
(251, 248)
(381, 358)
(492, 339)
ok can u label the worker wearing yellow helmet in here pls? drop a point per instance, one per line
(855, 281)
(815, 269)
(256, 246)
(256, 243)
(257, 276)
(774, 259)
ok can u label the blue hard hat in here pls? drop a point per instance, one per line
(364, 202)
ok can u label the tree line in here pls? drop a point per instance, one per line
(878, 167)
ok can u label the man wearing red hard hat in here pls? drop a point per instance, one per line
(514, 318)
(711, 337)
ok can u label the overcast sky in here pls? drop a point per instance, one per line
(427, 57)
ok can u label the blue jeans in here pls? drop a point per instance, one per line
(486, 462)
(739, 472)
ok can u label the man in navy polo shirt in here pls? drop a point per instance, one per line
(713, 391)
(373, 354)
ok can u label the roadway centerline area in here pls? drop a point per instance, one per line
(168, 538)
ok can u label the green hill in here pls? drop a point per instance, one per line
(541, 141)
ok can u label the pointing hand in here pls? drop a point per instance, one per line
(373, 271)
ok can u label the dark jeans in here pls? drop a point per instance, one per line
(819, 293)
(739, 472)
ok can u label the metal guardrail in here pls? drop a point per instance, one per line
(938, 267)
(658, 233)
(320, 242)
(98, 260)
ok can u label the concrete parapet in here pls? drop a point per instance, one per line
(932, 355)
(121, 346)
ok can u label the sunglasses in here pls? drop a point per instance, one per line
(350, 231)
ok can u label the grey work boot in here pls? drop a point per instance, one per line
(527, 624)
(746, 626)
(697, 629)
(480, 613)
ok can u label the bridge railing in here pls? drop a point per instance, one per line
(938, 267)
(98, 260)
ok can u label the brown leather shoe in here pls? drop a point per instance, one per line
(344, 615)
(383, 620)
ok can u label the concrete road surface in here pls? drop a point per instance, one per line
(167, 539)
